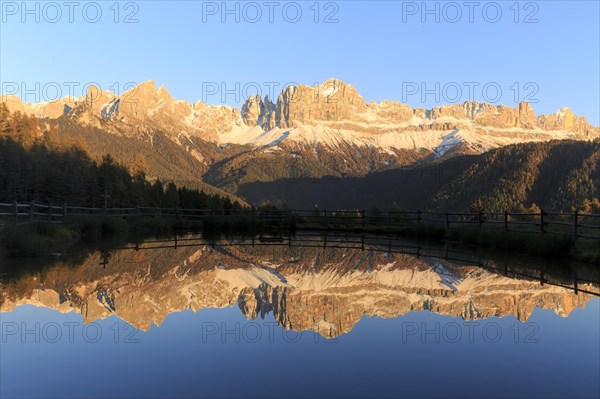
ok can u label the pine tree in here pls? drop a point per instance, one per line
(140, 166)
(477, 206)
(171, 196)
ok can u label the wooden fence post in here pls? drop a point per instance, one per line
(542, 230)
(362, 217)
(31, 211)
(64, 213)
(16, 212)
(575, 217)
(480, 218)
(51, 212)
(447, 221)
(418, 216)
(505, 220)
(325, 217)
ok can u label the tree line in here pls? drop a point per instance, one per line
(33, 169)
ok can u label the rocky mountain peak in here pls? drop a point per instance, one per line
(96, 98)
(333, 100)
(525, 116)
(565, 119)
(252, 109)
(146, 96)
(256, 112)
(148, 86)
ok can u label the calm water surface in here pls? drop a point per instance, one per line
(232, 320)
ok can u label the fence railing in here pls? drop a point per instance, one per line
(574, 224)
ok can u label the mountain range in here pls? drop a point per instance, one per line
(309, 132)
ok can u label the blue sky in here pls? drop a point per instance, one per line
(548, 52)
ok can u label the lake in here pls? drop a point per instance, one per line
(306, 316)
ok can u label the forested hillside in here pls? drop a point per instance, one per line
(153, 154)
(33, 167)
(554, 175)
(557, 175)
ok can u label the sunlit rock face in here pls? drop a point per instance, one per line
(333, 101)
(256, 112)
(332, 114)
(323, 290)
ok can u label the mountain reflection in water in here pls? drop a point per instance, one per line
(323, 284)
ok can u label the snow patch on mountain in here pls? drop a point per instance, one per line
(440, 142)
(110, 109)
(447, 278)
(252, 277)
(449, 141)
(279, 140)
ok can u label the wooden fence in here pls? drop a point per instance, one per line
(575, 224)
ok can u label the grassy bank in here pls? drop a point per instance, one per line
(40, 239)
